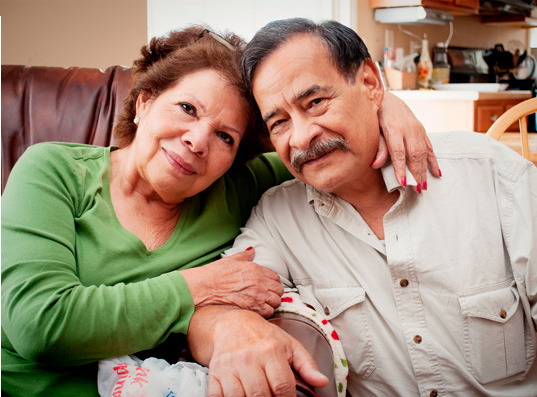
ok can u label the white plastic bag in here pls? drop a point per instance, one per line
(128, 376)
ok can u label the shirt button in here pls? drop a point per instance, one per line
(327, 311)
(503, 313)
(417, 339)
(433, 393)
(403, 283)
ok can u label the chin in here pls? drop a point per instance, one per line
(328, 185)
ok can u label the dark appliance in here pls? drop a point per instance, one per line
(503, 64)
(468, 66)
(506, 8)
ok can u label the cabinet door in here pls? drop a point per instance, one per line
(488, 111)
(486, 115)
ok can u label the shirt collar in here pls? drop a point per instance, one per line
(323, 201)
(388, 173)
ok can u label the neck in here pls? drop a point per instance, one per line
(138, 208)
(371, 199)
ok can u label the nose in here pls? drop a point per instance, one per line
(198, 139)
(304, 132)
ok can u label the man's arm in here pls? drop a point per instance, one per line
(247, 355)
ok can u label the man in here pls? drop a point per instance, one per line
(431, 296)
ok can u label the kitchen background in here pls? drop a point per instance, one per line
(102, 33)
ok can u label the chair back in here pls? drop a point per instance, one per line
(518, 113)
(42, 104)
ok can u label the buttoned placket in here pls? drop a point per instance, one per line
(408, 300)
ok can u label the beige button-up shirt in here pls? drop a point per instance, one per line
(447, 304)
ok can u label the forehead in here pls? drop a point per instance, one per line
(200, 80)
(295, 66)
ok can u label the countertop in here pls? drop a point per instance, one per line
(462, 95)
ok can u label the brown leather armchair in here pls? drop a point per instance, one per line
(42, 104)
(82, 105)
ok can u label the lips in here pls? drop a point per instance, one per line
(314, 159)
(178, 163)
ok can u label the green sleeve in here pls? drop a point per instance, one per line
(48, 315)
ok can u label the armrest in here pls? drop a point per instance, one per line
(307, 333)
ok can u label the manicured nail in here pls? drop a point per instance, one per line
(424, 185)
(249, 248)
(439, 172)
(418, 188)
(403, 181)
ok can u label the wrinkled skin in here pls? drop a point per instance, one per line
(250, 356)
(235, 281)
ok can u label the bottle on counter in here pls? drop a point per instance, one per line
(425, 66)
(441, 66)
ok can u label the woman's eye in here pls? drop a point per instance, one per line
(188, 108)
(228, 139)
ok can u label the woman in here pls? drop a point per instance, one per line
(101, 246)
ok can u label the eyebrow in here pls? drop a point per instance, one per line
(301, 95)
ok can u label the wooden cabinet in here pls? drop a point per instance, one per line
(487, 112)
(455, 6)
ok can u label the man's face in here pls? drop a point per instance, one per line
(324, 129)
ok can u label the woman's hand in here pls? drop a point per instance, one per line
(236, 281)
(406, 140)
(247, 355)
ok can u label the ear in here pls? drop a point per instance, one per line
(371, 81)
(142, 103)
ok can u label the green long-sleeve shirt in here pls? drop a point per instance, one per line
(77, 287)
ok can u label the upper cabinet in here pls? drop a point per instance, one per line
(520, 13)
(455, 6)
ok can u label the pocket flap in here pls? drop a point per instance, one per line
(331, 300)
(497, 303)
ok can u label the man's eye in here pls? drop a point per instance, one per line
(316, 101)
(188, 108)
(276, 124)
(228, 139)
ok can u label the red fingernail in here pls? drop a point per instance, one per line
(419, 187)
(424, 185)
(249, 248)
(403, 181)
(439, 172)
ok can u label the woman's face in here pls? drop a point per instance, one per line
(189, 135)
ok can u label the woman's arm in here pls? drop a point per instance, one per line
(71, 296)
(407, 142)
(49, 315)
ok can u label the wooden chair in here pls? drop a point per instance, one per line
(518, 113)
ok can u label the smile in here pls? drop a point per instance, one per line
(316, 160)
(178, 163)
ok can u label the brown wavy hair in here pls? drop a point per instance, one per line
(168, 59)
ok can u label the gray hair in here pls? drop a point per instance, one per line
(345, 47)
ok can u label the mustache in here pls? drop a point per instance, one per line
(317, 150)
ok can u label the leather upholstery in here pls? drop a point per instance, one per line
(56, 104)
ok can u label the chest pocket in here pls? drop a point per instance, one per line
(343, 304)
(494, 337)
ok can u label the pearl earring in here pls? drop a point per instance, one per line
(136, 120)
